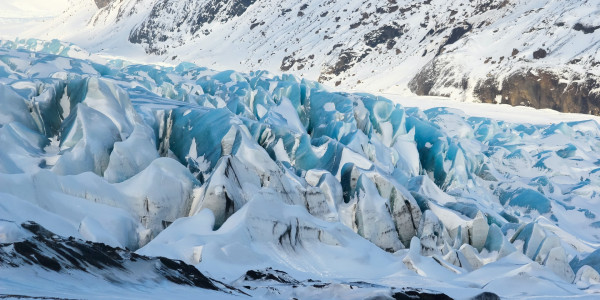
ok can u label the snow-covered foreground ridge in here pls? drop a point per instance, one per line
(231, 172)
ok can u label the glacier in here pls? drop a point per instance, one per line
(276, 187)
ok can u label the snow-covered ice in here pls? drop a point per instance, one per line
(232, 172)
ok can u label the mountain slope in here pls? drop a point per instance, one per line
(537, 53)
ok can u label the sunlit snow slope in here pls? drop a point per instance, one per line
(234, 172)
(539, 53)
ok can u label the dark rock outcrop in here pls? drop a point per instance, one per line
(345, 62)
(270, 275)
(434, 74)
(486, 296)
(419, 295)
(539, 53)
(585, 28)
(156, 28)
(276, 280)
(102, 3)
(542, 89)
(384, 35)
(455, 35)
(49, 252)
(531, 87)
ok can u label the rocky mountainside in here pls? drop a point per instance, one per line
(541, 53)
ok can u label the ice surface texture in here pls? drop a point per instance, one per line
(250, 171)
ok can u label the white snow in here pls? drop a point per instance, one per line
(500, 112)
(486, 197)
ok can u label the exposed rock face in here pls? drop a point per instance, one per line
(278, 281)
(455, 35)
(347, 59)
(542, 89)
(102, 3)
(189, 15)
(539, 53)
(52, 253)
(530, 87)
(437, 74)
(587, 29)
(383, 35)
